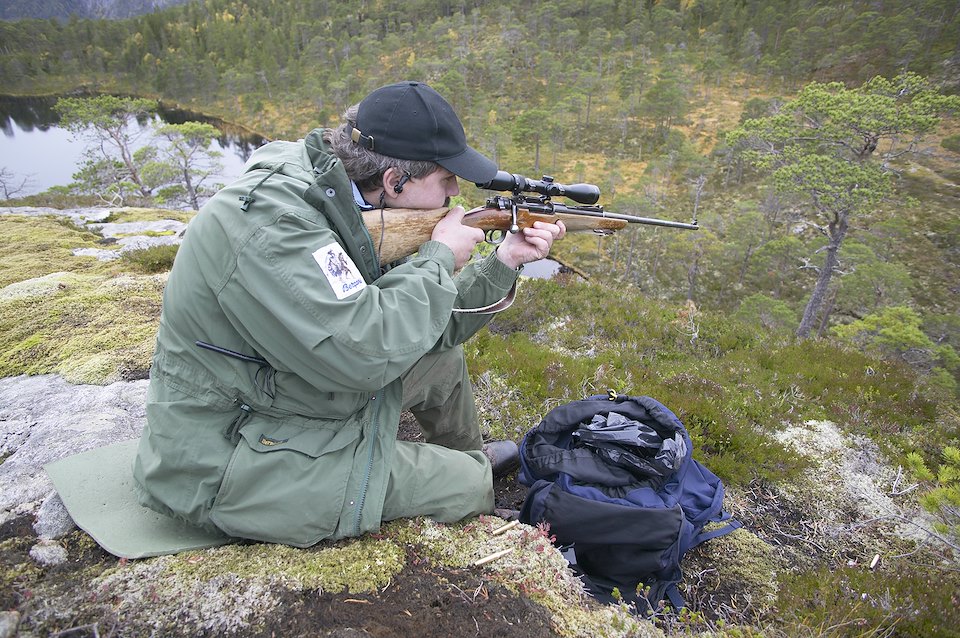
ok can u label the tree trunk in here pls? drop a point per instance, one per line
(700, 182)
(127, 157)
(825, 319)
(191, 190)
(838, 231)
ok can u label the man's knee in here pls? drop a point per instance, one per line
(435, 378)
(430, 480)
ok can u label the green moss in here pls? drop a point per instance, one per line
(17, 571)
(231, 588)
(91, 329)
(134, 214)
(742, 565)
(32, 247)
(359, 565)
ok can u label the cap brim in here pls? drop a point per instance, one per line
(470, 165)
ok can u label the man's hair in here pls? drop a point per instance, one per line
(366, 167)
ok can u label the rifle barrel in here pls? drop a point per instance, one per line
(633, 219)
(597, 211)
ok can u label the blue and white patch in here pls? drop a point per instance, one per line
(339, 269)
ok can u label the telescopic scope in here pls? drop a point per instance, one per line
(580, 193)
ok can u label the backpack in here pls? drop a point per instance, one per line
(614, 478)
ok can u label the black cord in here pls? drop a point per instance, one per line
(231, 353)
(263, 378)
(383, 226)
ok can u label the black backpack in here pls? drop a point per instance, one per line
(614, 478)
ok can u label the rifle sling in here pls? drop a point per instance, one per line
(493, 308)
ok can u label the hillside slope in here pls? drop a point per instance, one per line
(65, 9)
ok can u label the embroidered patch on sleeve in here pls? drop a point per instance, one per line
(339, 269)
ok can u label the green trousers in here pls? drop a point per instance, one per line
(446, 478)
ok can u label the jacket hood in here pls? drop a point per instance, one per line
(287, 158)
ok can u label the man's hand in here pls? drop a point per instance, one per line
(459, 238)
(530, 244)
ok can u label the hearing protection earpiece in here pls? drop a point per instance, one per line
(398, 187)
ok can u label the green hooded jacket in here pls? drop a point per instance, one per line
(292, 441)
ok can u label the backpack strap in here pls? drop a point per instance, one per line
(716, 533)
(672, 594)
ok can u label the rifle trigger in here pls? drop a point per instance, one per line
(495, 236)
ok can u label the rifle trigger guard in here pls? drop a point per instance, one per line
(495, 236)
(602, 231)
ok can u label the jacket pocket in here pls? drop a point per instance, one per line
(285, 483)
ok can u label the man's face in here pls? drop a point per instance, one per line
(431, 191)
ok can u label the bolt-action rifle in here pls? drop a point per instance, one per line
(399, 231)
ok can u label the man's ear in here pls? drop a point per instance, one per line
(393, 179)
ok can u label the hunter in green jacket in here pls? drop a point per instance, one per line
(286, 354)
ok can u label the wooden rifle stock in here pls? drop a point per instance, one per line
(406, 229)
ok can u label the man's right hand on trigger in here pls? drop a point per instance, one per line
(459, 238)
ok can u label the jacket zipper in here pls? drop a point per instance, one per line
(362, 496)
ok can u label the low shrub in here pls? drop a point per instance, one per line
(152, 260)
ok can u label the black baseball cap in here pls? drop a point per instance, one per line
(409, 120)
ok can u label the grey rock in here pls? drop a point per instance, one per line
(44, 418)
(48, 553)
(9, 623)
(53, 521)
(101, 255)
(139, 242)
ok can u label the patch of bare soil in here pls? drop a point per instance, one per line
(421, 601)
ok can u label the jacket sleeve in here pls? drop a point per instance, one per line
(479, 284)
(281, 301)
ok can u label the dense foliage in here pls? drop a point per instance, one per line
(64, 9)
(583, 68)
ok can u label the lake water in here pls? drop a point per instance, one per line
(541, 269)
(35, 148)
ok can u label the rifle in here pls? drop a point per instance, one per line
(403, 230)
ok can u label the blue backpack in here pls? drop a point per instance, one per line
(614, 478)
